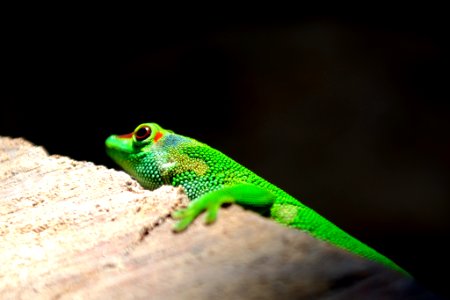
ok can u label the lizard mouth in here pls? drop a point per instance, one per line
(120, 143)
(119, 148)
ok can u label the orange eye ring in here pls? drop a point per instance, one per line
(142, 133)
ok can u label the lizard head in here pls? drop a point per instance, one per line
(135, 152)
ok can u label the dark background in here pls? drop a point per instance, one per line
(349, 115)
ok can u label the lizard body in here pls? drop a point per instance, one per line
(156, 156)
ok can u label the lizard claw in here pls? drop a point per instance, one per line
(210, 203)
(187, 216)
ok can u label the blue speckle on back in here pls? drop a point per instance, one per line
(173, 140)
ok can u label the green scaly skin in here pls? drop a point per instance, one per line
(156, 156)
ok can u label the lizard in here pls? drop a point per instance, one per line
(155, 156)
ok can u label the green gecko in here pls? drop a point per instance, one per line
(157, 156)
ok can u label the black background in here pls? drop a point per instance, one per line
(348, 114)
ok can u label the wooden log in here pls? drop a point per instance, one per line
(72, 229)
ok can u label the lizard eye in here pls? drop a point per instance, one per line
(142, 133)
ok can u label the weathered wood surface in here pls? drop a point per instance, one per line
(71, 229)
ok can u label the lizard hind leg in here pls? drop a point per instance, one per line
(247, 195)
